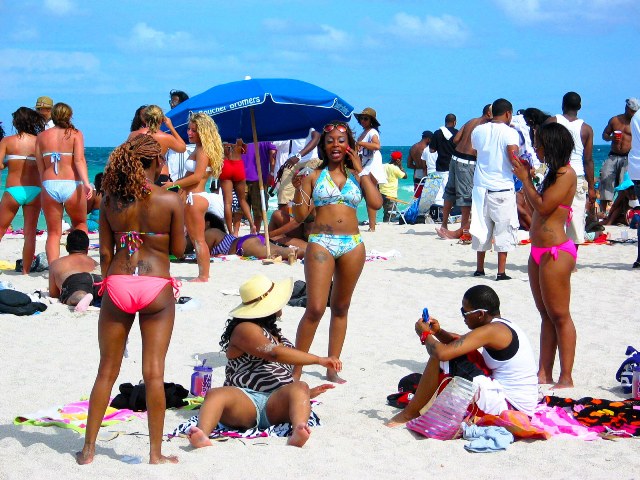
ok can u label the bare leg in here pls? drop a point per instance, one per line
(446, 210)
(426, 388)
(372, 213)
(290, 404)
(502, 262)
(8, 209)
(76, 208)
(241, 193)
(194, 220)
(480, 262)
(548, 340)
(555, 287)
(84, 303)
(156, 326)
(31, 213)
(53, 216)
(227, 197)
(113, 329)
(347, 271)
(318, 269)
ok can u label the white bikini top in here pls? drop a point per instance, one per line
(190, 166)
(55, 158)
(17, 157)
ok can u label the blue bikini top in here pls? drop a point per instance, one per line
(326, 192)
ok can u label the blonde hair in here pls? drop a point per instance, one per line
(61, 114)
(153, 117)
(211, 141)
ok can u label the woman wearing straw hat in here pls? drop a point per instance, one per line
(368, 144)
(259, 389)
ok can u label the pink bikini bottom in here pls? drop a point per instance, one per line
(132, 293)
(568, 246)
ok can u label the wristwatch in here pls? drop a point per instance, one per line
(298, 156)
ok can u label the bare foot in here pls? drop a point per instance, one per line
(198, 439)
(544, 379)
(84, 303)
(299, 436)
(163, 459)
(85, 456)
(371, 229)
(333, 376)
(400, 419)
(199, 280)
(563, 383)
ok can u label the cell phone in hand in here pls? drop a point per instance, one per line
(305, 171)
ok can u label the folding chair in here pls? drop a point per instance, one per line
(394, 212)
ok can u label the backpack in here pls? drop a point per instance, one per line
(625, 372)
(134, 397)
(410, 215)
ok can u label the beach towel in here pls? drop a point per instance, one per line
(620, 417)
(516, 422)
(377, 255)
(74, 416)
(478, 228)
(279, 430)
(559, 423)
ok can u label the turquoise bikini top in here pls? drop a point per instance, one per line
(326, 192)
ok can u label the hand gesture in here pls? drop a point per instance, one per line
(296, 181)
(356, 161)
(88, 191)
(520, 168)
(432, 326)
(291, 162)
(167, 122)
(320, 389)
(333, 363)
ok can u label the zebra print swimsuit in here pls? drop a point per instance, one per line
(256, 373)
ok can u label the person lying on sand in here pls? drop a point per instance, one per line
(70, 277)
(512, 383)
(259, 389)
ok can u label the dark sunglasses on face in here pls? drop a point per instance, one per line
(341, 127)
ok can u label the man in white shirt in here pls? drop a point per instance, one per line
(634, 163)
(43, 107)
(495, 213)
(302, 150)
(581, 161)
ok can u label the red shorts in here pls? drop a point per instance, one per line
(233, 170)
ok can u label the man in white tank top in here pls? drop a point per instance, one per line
(581, 162)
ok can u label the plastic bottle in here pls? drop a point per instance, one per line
(635, 383)
(201, 379)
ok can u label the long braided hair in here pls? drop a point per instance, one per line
(124, 178)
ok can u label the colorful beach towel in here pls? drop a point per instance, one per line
(518, 423)
(279, 430)
(74, 416)
(373, 255)
(621, 417)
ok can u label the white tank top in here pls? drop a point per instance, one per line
(519, 374)
(576, 155)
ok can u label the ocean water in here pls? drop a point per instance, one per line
(97, 158)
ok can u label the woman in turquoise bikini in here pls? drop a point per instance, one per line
(62, 167)
(553, 254)
(22, 188)
(335, 250)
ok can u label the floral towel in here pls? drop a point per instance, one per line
(74, 416)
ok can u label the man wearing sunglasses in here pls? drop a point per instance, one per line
(512, 381)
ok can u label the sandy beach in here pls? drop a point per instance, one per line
(51, 359)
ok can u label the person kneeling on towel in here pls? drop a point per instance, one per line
(512, 382)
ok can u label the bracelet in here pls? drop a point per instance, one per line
(362, 174)
(423, 337)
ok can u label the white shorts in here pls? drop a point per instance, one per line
(499, 211)
(575, 228)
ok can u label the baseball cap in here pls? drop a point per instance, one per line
(46, 102)
(396, 155)
(633, 104)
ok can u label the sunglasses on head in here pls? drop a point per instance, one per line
(465, 314)
(329, 127)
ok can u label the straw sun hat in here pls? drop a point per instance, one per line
(370, 112)
(262, 297)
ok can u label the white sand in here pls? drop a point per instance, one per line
(51, 359)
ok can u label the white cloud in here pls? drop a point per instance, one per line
(43, 61)
(145, 38)
(568, 11)
(443, 30)
(327, 38)
(59, 7)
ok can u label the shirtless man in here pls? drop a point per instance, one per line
(415, 160)
(70, 277)
(614, 167)
(460, 182)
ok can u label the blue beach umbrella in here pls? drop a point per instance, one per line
(268, 109)
(283, 109)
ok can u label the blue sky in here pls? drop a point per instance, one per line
(413, 61)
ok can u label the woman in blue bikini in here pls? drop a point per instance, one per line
(22, 188)
(553, 254)
(335, 250)
(62, 167)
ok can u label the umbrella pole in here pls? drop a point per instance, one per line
(263, 191)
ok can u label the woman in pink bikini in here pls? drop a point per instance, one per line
(553, 255)
(140, 225)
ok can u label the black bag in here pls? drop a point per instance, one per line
(134, 397)
(18, 303)
(299, 294)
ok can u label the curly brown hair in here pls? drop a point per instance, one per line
(124, 178)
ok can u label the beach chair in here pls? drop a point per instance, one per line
(394, 212)
(429, 191)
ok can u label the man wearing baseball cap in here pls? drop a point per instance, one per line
(389, 190)
(618, 132)
(44, 106)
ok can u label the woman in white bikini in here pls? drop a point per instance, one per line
(204, 162)
(62, 167)
(22, 188)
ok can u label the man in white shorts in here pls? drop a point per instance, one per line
(505, 373)
(494, 219)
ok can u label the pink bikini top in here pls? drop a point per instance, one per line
(570, 210)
